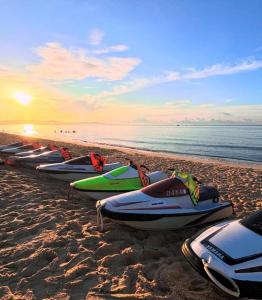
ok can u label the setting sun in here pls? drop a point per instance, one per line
(23, 98)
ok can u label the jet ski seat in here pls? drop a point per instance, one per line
(83, 160)
(208, 192)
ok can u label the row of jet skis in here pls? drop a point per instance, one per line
(229, 253)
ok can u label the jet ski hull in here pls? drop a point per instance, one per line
(14, 145)
(32, 161)
(216, 255)
(68, 172)
(99, 195)
(33, 164)
(69, 176)
(169, 221)
(32, 152)
(248, 289)
(17, 150)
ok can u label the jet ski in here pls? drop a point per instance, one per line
(229, 255)
(54, 156)
(121, 180)
(22, 148)
(40, 150)
(78, 168)
(169, 204)
(14, 145)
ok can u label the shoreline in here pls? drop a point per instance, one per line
(54, 243)
(147, 152)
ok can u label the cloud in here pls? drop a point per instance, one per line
(116, 111)
(258, 49)
(216, 70)
(116, 48)
(130, 86)
(229, 100)
(191, 74)
(96, 37)
(177, 103)
(59, 63)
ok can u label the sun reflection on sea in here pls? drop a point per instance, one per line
(28, 129)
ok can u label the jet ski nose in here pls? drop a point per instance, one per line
(72, 184)
(100, 204)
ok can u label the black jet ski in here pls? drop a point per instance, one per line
(54, 156)
(229, 255)
(13, 145)
(23, 148)
(40, 150)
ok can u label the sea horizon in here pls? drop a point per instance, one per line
(240, 143)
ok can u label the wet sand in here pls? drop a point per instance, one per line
(51, 248)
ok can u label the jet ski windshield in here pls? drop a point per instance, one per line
(253, 222)
(117, 172)
(170, 187)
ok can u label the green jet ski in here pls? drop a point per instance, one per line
(121, 180)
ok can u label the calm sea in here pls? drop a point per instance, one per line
(242, 143)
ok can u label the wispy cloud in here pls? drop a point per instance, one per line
(128, 87)
(258, 49)
(115, 48)
(216, 70)
(229, 100)
(60, 63)
(96, 36)
(191, 74)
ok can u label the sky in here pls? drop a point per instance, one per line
(131, 61)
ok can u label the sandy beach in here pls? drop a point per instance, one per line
(51, 248)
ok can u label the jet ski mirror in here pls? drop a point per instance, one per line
(198, 181)
(135, 166)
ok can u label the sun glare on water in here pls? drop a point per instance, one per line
(28, 129)
(22, 98)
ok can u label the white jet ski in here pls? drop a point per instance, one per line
(166, 205)
(32, 161)
(229, 255)
(13, 145)
(23, 148)
(40, 150)
(78, 168)
(121, 180)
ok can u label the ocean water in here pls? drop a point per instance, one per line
(241, 143)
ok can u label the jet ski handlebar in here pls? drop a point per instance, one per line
(198, 181)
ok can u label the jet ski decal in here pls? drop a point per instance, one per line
(154, 208)
(118, 204)
(250, 270)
